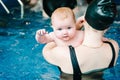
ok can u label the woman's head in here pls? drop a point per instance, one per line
(100, 14)
(50, 5)
(63, 22)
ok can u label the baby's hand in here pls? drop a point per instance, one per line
(79, 22)
(41, 32)
(41, 35)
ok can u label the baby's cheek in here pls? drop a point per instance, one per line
(58, 35)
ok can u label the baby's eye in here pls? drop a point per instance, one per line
(69, 27)
(59, 29)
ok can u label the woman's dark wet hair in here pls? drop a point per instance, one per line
(50, 5)
(100, 14)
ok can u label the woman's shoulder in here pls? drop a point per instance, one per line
(53, 53)
(115, 44)
(47, 52)
(116, 47)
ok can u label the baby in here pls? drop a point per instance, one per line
(64, 29)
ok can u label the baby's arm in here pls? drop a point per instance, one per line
(43, 37)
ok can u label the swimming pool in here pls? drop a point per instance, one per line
(21, 56)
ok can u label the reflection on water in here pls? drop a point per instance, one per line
(21, 56)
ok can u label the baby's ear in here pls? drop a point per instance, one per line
(79, 22)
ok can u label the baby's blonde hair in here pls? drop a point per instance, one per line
(63, 13)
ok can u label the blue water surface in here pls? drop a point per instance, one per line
(21, 56)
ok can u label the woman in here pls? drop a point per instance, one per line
(87, 61)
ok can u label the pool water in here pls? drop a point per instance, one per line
(21, 56)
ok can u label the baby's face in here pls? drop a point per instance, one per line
(64, 29)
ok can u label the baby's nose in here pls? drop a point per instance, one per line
(64, 32)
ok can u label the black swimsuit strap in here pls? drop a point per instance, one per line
(113, 54)
(76, 70)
